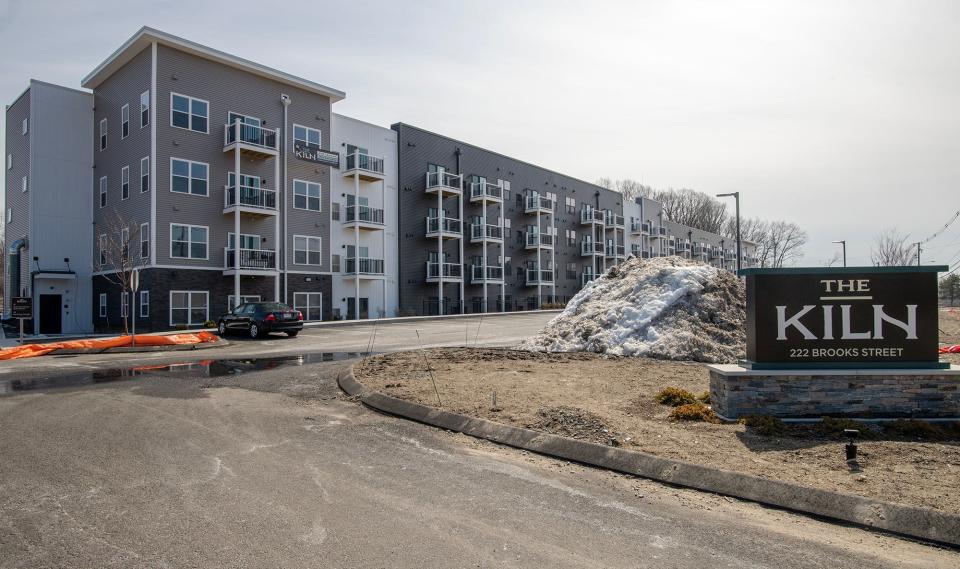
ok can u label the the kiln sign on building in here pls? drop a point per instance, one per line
(853, 315)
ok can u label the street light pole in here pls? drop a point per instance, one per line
(918, 252)
(736, 197)
(844, 243)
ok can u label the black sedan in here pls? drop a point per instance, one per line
(257, 319)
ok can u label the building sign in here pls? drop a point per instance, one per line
(21, 307)
(312, 153)
(870, 317)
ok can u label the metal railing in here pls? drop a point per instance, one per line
(444, 180)
(493, 273)
(477, 231)
(539, 240)
(591, 247)
(614, 250)
(542, 276)
(365, 266)
(361, 161)
(450, 270)
(250, 134)
(586, 277)
(364, 214)
(261, 259)
(486, 189)
(251, 196)
(638, 227)
(591, 216)
(614, 219)
(539, 203)
(444, 224)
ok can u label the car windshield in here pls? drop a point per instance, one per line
(274, 306)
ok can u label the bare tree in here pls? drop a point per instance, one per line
(892, 250)
(631, 189)
(692, 208)
(835, 260)
(785, 241)
(118, 255)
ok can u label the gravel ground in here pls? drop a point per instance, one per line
(599, 398)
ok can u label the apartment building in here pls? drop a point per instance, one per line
(223, 181)
(48, 207)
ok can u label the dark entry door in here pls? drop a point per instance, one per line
(364, 307)
(51, 314)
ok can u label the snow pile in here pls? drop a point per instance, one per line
(667, 308)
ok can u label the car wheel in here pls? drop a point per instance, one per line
(254, 331)
(293, 333)
(222, 328)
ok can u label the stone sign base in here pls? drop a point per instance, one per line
(868, 394)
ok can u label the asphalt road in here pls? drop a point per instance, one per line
(231, 466)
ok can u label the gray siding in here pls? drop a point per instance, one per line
(17, 145)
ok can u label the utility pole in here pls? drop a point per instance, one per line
(918, 252)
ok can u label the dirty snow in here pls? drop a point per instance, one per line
(667, 308)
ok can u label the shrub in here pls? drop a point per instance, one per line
(704, 398)
(914, 429)
(674, 396)
(764, 425)
(834, 427)
(209, 324)
(694, 412)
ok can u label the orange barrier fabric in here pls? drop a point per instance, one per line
(950, 349)
(34, 350)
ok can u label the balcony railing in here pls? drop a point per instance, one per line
(258, 259)
(444, 181)
(485, 231)
(542, 276)
(591, 248)
(447, 225)
(614, 219)
(250, 134)
(539, 203)
(493, 273)
(539, 240)
(251, 196)
(614, 250)
(588, 216)
(481, 190)
(645, 254)
(363, 214)
(586, 277)
(365, 162)
(638, 227)
(363, 266)
(450, 270)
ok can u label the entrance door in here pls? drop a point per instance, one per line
(364, 307)
(51, 314)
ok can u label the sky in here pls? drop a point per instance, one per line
(841, 116)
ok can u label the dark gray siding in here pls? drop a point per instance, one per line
(419, 148)
(18, 146)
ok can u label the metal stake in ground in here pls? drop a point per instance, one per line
(430, 371)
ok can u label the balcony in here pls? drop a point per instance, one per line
(658, 232)
(254, 141)
(590, 248)
(539, 277)
(252, 261)
(363, 267)
(444, 183)
(614, 220)
(444, 227)
(591, 217)
(368, 168)
(492, 274)
(645, 254)
(638, 228)
(539, 241)
(538, 204)
(452, 272)
(716, 253)
(480, 232)
(485, 191)
(253, 200)
(586, 277)
(364, 217)
(614, 251)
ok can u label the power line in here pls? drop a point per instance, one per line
(942, 229)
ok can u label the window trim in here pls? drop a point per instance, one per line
(103, 134)
(124, 304)
(103, 305)
(144, 174)
(26, 126)
(125, 183)
(319, 251)
(9, 214)
(308, 306)
(319, 197)
(190, 113)
(103, 192)
(102, 249)
(190, 178)
(190, 242)
(146, 116)
(144, 302)
(189, 308)
(145, 239)
(294, 138)
(24, 184)
(124, 122)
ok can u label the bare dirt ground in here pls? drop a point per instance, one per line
(610, 400)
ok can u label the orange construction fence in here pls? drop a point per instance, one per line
(33, 350)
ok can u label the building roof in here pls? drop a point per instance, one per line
(146, 36)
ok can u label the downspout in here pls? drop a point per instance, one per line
(13, 267)
(285, 100)
(460, 202)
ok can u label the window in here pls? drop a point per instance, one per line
(125, 243)
(188, 307)
(103, 191)
(102, 246)
(571, 271)
(247, 242)
(144, 240)
(306, 195)
(335, 211)
(23, 184)
(188, 241)
(144, 304)
(124, 121)
(125, 182)
(244, 298)
(571, 204)
(26, 126)
(506, 223)
(103, 305)
(103, 134)
(335, 263)
(310, 304)
(9, 214)
(124, 304)
(306, 135)
(144, 109)
(9, 161)
(187, 177)
(144, 174)
(188, 113)
(306, 250)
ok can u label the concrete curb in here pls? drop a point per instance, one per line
(137, 350)
(911, 521)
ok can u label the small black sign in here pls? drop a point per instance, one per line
(849, 317)
(21, 307)
(312, 153)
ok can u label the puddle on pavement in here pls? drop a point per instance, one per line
(198, 369)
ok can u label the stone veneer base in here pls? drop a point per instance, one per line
(869, 393)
